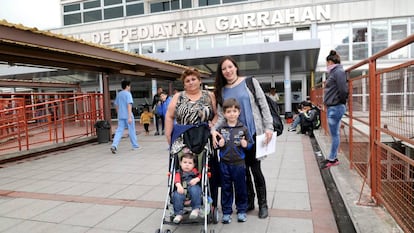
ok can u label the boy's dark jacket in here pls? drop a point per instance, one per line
(232, 152)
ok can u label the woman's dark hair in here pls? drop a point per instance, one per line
(334, 57)
(221, 81)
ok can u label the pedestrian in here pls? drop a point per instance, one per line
(123, 105)
(255, 116)
(187, 179)
(156, 106)
(335, 97)
(165, 101)
(191, 107)
(273, 95)
(145, 119)
(232, 144)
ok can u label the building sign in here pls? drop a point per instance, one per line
(231, 23)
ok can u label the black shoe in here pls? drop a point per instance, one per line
(157, 133)
(250, 206)
(263, 212)
(113, 150)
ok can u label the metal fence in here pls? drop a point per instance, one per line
(28, 121)
(377, 134)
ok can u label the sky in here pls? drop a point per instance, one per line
(42, 14)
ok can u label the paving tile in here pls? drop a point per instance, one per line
(292, 185)
(14, 204)
(91, 216)
(132, 192)
(291, 201)
(62, 212)
(125, 219)
(29, 226)
(105, 190)
(6, 223)
(290, 225)
(32, 209)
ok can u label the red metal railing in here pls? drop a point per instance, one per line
(28, 121)
(378, 131)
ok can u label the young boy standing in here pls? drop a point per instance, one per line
(187, 179)
(232, 143)
(145, 119)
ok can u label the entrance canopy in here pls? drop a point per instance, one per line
(255, 59)
(25, 46)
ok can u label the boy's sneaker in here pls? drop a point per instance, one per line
(178, 219)
(327, 163)
(241, 217)
(194, 214)
(113, 150)
(226, 219)
(292, 129)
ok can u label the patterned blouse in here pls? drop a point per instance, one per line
(190, 112)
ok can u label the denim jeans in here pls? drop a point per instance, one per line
(335, 114)
(195, 196)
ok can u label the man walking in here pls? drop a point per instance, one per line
(123, 106)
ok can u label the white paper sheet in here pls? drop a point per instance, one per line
(263, 150)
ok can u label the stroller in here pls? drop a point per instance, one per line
(197, 139)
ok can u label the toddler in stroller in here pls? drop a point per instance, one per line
(189, 197)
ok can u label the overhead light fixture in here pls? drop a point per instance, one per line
(131, 72)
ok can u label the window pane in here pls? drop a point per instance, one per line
(175, 5)
(92, 4)
(190, 44)
(73, 7)
(186, 4)
(285, 34)
(133, 0)
(112, 2)
(204, 42)
(325, 35)
(115, 12)
(379, 36)
(72, 19)
(251, 38)
(160, 46)
(236, 39)
(359, 41)
(302, 33)
(135, 9)
(160, 6)
(208, 2)
(174, 45)
(341, 40)
(269, 36)
(90, 16)
(230, 1)
(220, 41)
(399, 32)
(147, 48)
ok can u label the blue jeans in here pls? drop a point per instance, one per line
(296, 122)
(195, 196)
(122, 124)
(335, 114)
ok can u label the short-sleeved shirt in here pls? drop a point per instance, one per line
(122, 100)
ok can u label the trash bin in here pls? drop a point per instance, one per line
(103, 131)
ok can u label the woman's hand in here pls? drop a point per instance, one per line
(269, 135)
(215, 135)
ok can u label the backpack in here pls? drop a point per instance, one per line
(274, 108)
(317, 120)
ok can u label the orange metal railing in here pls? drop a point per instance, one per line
(378, 131)
(29, 121)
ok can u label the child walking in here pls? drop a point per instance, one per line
(232, 143)
(145, 119)
(186, 180)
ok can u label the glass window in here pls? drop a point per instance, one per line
(147, 48)
(133, 0)
(160, 46)
(236, 39)
(190, 43)
(285, 34)
(230, 1)
(72, 7)
(72, 19)
(302, 33)
(379, 36)
(92, 4)
(251, 37)
(269, 36)
(398, 32)
(175, 4)
(208, 2)
(325, 35)
(112, 2)
(160, 7)
(135, 9)
(204, 42)
(359, 41)
(174, 45)
(341, 40)
(134, 48)
(90, 16)
(186, 4)
(114, 12)
(220, 41)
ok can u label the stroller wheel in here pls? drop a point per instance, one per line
(215, 215)
(167, 231)
(158, 230)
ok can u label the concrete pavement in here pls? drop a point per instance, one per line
(88, 189)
